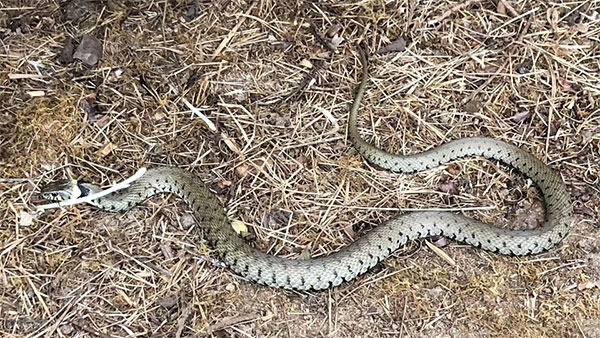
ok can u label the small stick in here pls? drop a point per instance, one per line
(231, 33)
(126, 183)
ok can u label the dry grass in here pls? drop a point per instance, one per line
(281, 163)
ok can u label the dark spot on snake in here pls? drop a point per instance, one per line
(535, 244)
(287, 280)
(330, 284)
(379, 247)
(549, 240)
(319, 279)
(473, 235)
(489, 241)
(273, 279)
(360, 261)
(302, 281)
(246, 268)
(259, 272)
(371, 255)
(519, 246)
(504, 244)
(389, 250)
(460, 230)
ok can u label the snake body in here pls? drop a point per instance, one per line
(367, 251)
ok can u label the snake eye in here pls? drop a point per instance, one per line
(58, 191)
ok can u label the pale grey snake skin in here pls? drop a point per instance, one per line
(363, 254)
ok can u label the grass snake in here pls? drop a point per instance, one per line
(377, 244)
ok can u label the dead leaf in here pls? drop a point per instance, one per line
(306, 63)
(529, 215)
(581, 28)
(453, 169)
(231, 144)
(92, 112)
(520, 116)
(333, 30)
(398, 45)
(278, 217)
(501, 9)
(107, 149)
(567, 86)
(25, 218)
(89, 50)
(449, 188)
(241, 170)
(239, 227)
(66, 54)
(441, 242)
(224, 184)
(336, 41)
(167, 302)
(349, 229)
(472, 106)
(587, 285)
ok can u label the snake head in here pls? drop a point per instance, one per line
(61, 190)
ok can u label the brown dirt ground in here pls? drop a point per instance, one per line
(518, 70)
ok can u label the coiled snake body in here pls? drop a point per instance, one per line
(376, 245)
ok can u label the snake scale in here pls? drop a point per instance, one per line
(377, 244)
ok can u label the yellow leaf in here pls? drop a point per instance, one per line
(239, 227)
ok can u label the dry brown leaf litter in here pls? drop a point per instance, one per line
(527, 71)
